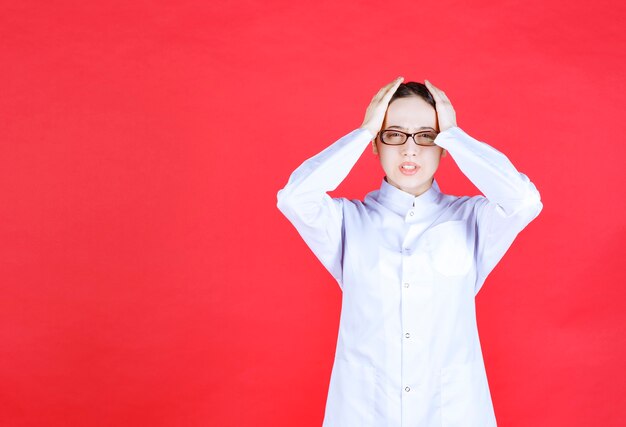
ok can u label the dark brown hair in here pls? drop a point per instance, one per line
(408, 89)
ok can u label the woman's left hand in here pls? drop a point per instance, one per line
(445, 113)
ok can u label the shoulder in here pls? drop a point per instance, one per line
(348, 203)
(463, 201)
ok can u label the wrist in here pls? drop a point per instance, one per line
(370, 130)
(446, 127)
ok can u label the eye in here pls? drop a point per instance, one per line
(393, 134)
(430, 136)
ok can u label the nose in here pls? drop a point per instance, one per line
(410, 148)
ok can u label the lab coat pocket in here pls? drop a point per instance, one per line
(449, 249)
(351, 395)
(465, 398)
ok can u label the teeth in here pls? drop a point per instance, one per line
(408, 167)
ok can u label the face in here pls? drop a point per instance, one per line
(409, 167)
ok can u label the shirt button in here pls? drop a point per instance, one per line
(406, 285)
(407, 389)
(407, 335)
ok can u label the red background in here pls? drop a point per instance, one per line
(147, 276)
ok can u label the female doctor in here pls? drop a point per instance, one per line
(409, 260)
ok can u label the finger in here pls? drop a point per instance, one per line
(386, 92)
(394, 86)
(391, 87)
(438, 94)
(396, 81)
(443, 96)
(434, 91)
(431, 85)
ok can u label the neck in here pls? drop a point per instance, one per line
(415, 191)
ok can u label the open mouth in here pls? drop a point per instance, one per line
(409, 168)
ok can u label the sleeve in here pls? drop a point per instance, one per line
(306, 204)
(511, 200)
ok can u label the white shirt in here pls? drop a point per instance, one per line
(408, 351)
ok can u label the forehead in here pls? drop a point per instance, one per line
(410, 114)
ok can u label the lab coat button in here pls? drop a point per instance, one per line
(406, 285)
(407, 335)
(411, 213)
(407, 389)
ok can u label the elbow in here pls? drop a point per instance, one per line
(531, 207)
(285, 202)
(536, 206)
(530, 204)
(526, 206)
(282, 201)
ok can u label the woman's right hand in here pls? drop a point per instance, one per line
(375, 113)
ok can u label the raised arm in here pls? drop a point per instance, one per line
(304, 200)
(512, 200)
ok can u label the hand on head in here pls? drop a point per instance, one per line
(375, 113)
(446, 115)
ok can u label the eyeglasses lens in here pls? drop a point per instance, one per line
(391, 137)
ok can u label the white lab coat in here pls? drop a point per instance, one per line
(408, 352)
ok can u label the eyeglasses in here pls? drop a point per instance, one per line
(395, 137)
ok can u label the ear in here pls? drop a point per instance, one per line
(374, 147)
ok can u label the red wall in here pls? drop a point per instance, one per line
(147, 276)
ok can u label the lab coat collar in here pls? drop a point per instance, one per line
(401, 202)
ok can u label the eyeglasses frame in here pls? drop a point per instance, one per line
(408, 135)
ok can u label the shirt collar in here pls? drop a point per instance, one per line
(401, 202)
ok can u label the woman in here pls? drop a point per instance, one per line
(409, 260)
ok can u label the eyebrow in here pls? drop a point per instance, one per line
(403, 128)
